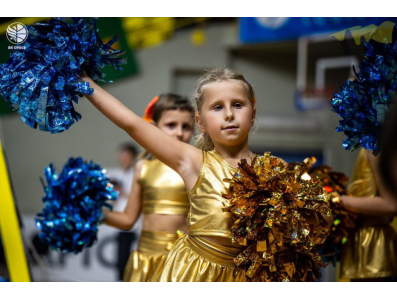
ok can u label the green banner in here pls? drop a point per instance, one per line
(108, 28)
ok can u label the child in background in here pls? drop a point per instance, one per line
(121, 178)
(157, 191)
(370, 254)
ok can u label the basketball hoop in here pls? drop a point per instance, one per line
(311, 98)
(317, 96)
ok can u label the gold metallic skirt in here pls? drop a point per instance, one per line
(151, 248)
(194, 258)
(370, 252)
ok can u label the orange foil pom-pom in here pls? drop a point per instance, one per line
(278, 215)
(344, 222)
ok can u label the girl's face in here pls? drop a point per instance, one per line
(226, 115)
(177, 124)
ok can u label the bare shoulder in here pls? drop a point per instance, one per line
(139, 164)
(138, 167)
(370, 157)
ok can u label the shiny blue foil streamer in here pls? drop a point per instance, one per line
(363, 103)
(42, 81)
(73, 205)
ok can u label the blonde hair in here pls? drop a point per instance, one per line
(211, 76)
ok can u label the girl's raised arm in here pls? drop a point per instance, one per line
(181, 157)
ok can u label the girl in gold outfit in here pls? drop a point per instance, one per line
(226, 113)
(157, 191)
(370, 253)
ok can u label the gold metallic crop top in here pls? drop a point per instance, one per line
(363, 184)
(206, 217)
(362, 181)
(163, 189)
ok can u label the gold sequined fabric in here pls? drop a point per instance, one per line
(163, 190)
(151, 249)
(196, 259)
(371, 249)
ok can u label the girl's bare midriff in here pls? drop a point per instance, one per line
(165, 223)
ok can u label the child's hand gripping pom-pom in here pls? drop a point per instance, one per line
(364, 102)
(42, 81)
(272, 212)
(73, 205)
(344, 221)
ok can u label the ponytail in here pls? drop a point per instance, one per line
(204, 143)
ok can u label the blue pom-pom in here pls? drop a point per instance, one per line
(363, 103)
(42, 81)
(73, 205)
(359, 122)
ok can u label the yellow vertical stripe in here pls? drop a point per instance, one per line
(9, 227)
(338, 279)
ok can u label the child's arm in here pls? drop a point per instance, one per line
(384, 204)
(371, 206)
(126, 219)
(181, 157)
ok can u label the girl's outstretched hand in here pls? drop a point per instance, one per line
(85, 77)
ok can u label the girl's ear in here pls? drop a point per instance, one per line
(253, 117)
(197, 118)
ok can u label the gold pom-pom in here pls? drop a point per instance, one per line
(344, 221)
(279, 216)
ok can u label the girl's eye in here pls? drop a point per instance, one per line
(187, 127)
(217, 108)
(238, 105)
(171, 125)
